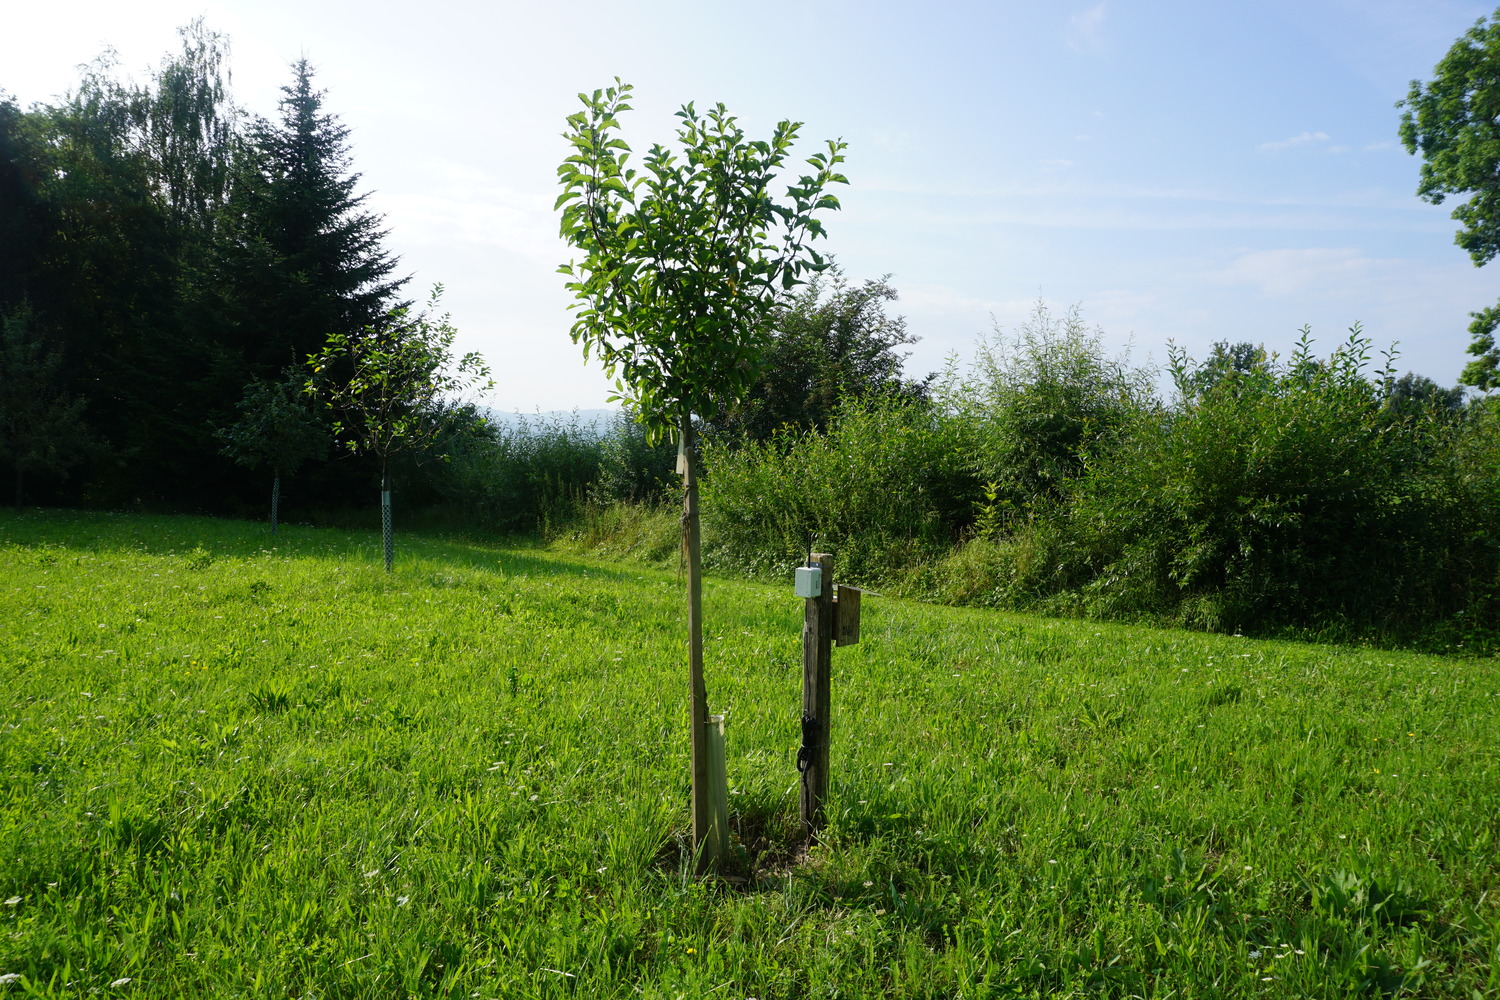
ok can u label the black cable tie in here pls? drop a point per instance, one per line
(810, 744)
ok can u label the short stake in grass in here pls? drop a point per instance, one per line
(830, 613)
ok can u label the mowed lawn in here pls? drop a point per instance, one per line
(232, 765)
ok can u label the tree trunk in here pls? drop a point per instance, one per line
(706, 858)
(275, 500)
(385, 514)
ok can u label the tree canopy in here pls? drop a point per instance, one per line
(41, 426)
(684, 257)
(302, 257)
(397, 376)
(169, 251)
(830, 340)
(1453, 122)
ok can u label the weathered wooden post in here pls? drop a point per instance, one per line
(846, 615)
(817, 668)
(831, 618)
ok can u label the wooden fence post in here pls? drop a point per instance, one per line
(817, 662)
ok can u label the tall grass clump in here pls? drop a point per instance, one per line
(1037, 403)
(632, 469)
(1273, 495)
(884, 485)
(634, 506)
(524, 477)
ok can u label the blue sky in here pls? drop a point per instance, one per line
(1183, 170)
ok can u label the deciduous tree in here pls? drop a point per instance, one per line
(1453, 122)
(41, 426)
(682, 261)
(401, 374)
(277, 431)
(830, 340)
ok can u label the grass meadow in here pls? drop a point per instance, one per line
(239, 766)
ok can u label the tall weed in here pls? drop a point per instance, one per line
(1038, 402)
(632, 470)
(526, 477)
(1286, 495)
(885, 485)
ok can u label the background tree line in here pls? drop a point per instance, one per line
(1316, 493)
(164, 253)
(1310, 494)
(170, 263)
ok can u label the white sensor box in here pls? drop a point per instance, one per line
(809, 581)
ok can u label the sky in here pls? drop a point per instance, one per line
(1182, 171)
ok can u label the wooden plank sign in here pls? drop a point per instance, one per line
(846, 615)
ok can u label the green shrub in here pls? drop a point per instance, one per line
(886, 485)
(1038, 403)
(524, 477)
(631, 469)
(1281, 496)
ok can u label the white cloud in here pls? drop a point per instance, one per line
(463, 206)
(1122, 309)
(1301, 139)
(946, 299)
(895, 142)
(1287, 272)
(1086, 29)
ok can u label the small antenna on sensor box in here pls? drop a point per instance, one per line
(809, 577)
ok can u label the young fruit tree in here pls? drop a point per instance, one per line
(389, 385)
(276, 431)
(682, 261)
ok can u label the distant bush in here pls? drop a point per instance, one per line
(631, 469)
(885, 485)
(830, 340)
(1320, 496)
(1302, 494)
(1038, 403)
(524, 477)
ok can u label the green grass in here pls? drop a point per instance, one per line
(237, 766)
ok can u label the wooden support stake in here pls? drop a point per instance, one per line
(817, 663)
(707, 859)
(716, 841)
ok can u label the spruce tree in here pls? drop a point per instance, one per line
(42, 428)
(302, 257)
(25, 218)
